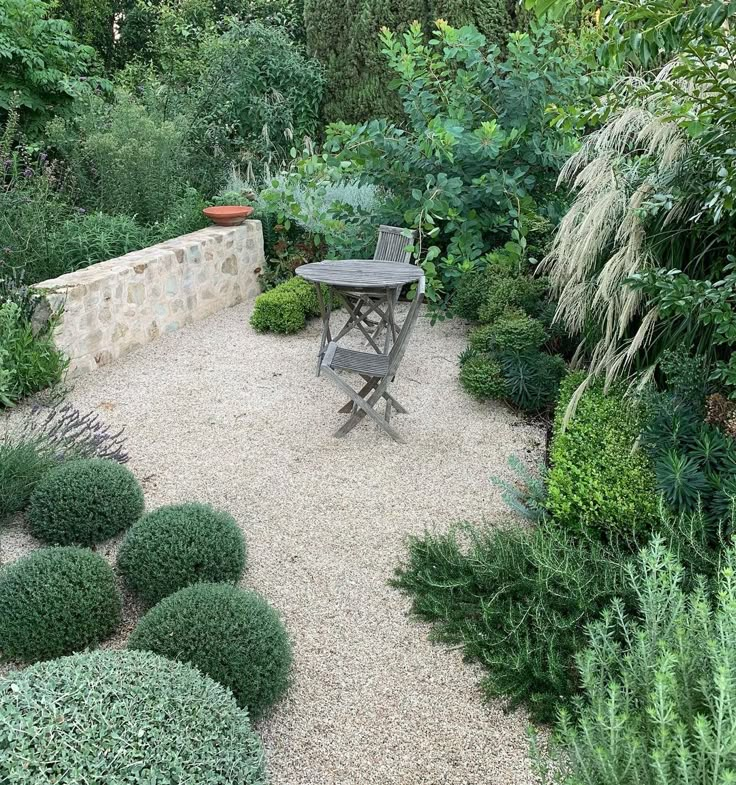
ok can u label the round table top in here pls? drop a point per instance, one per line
(360, 273)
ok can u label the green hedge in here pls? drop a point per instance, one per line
(123, 718)
(84, 502)
(179, 545)
(234, 636)
(55, 601)
(598, 481)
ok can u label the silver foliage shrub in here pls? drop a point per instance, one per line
(659, 687)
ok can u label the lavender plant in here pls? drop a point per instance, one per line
(46, 437)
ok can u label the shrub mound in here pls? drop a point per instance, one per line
(84, 502)
(598, 481)
(123, 718)
(55, 601)
(286, 307)
(279, 311)
(179, 545)
(481, 376)
(517, 601)
(234, 636)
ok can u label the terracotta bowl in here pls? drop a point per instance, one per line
(227, 216)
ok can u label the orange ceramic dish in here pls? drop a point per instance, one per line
(228, 215)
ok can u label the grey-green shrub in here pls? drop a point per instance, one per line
(123, 718)
(178, 545)
(659, 685)
(84, 502)
(55, 601)
(234, 636)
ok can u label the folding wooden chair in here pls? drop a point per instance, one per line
(392, 244)
(390, 247)
(377, 371)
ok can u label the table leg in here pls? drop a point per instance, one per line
(325, 310)
(390, 320)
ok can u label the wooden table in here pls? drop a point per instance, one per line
(365, 287)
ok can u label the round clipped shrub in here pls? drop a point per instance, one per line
(84, 502)
(279, 310)
(123, 718)
(234, 636)
(179, 545)
(514, 331)
(55, 601)
(482, 377)
(526, 294)
(306, 293)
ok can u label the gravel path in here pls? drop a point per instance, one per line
(216, 413)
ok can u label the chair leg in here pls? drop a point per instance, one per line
(366, 408)
(371, 382)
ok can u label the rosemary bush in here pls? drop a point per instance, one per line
(516, 600)
(659, 685)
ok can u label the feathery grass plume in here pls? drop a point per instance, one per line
(639, 193)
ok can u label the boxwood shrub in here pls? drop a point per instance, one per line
(481, 376)
(179, 545)
(286, 307)
(123, 718)
(234, 636)
(84, 502)
(598, 481)
(306, 293)
(279, 311)
(55, 601)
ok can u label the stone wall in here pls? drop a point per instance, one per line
(115, 307)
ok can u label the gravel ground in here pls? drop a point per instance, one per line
(216, 413)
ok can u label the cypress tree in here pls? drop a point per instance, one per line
(343, 35)
(493, 18)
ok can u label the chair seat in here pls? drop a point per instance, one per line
(365, 363)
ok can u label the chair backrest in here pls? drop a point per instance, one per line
(392, 242)
(399, 347)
